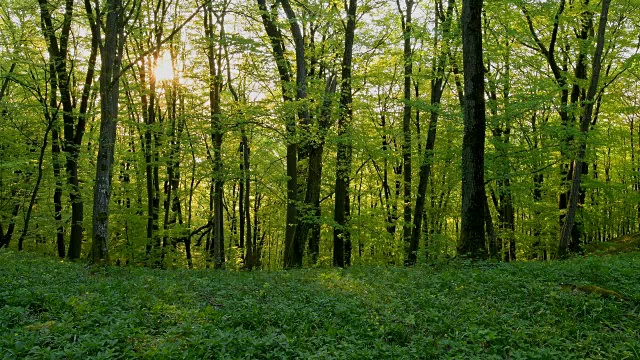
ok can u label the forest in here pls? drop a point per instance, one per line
(286, 134)
(413, 179)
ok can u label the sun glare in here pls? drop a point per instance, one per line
(164, 68)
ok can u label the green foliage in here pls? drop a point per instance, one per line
(53, 309)
(525, 135)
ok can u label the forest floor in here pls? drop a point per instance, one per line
(55, 309)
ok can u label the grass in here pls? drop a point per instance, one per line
(52, 309)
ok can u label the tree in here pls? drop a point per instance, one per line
(269, 20)
(444, 18)
(322, 46)
(111, 50)
(231, 152)
(585, 124)
(472, 228)
(214, 57)
(406, 17)
(294, 247)
(74, 124)
(5, 237)
(341, 235)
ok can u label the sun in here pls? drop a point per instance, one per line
(164, 68)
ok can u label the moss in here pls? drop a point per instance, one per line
(594, 290)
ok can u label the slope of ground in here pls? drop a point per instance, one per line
(621, 244)
(54, 309)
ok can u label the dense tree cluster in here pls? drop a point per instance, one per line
(269, 134)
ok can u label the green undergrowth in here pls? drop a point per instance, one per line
(60, 310)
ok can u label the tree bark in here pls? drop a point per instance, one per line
(57, 198)
(585, 122)
(437, 88)
(5, 82)
(341, 234)
(315, 151)
(269, 20)
(111, 60)
(501, 132)
(215, 87)
(472, 229)
(5, 238)
(406, 130)
(36, 187)
(570, 95)
(73, 129)
(294, 246)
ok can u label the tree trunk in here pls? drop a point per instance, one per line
(269, 20)
(389, 203)
(73, 144)
(315, 151)
(57, 194)
(585, 122)
(493, 240)
(341, 234)
(501, 134)
(568, 99)
(406, 131)
(5, 238)
(472, 231)
(57, 168)
(5, 82)
(294, 247)
(148, 115)
(36, 187)
(437, 88)
(111, 56)
(215, 87)
(73, 130)
(249, 258)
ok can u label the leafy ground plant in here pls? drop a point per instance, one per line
(60, 310)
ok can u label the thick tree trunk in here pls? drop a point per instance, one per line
(153, 174)
(472, 231)
(294, 247)
(73, 130)
(59, 80)
(269, 20)
(111, 56)
(73, 144)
